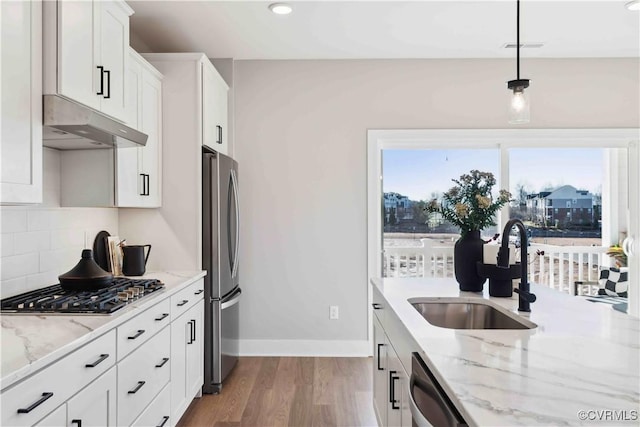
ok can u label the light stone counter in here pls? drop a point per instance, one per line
(31, 342)
(582, 356)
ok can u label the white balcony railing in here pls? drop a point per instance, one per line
(555, 266)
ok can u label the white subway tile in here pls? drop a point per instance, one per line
(31, 241)
(39, 219)
(12, 220)
(40, 280)
(9, 288)
(61, 260)
(69, 238)
(12, 267)
(6, 245)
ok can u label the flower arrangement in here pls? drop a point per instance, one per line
(470, 204)
(616, 252)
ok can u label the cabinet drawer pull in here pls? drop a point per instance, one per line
(183, 302)
(133, 337)
(108, 73)
(164, 316)
(161, 364)
(219, 141)
(376, 306)
(45, 396)
(164, 421)
(198, 292)
(392, 389)
(97, 362)
(101, 68)
(77, 422)
(138, 387)
(193, 331)
(379, 347)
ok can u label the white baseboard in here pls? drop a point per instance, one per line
(310, 348)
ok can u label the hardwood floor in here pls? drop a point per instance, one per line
(289, 391)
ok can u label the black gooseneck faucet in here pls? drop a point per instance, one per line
(523, 291)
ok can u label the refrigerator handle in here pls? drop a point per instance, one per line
(232, 301)
(234, 181)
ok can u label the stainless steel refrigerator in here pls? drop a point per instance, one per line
(220, 227)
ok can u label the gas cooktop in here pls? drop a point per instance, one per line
(54, 299)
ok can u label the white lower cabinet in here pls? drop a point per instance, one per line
(158, 412)
(187, 367)
(95, 406)
(380, 372)
(390, 382)
(142, 375)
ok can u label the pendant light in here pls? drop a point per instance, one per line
(519, 99)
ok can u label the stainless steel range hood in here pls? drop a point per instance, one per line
(72, 126)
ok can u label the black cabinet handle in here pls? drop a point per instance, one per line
(379, 347)
(391, 386)
(392, 396)
(161, 364)
(192, 327)
(199, 292)
(144, 183)
(164, 316)
(138, 387)
(376, 306)
(108, 95)
(164, 421)
(183, 302)
(97, 362)
(219, 141)
(140, 332)
(101, 68)
(77, 422)
(45, 396)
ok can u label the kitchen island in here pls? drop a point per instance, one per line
(581, 356)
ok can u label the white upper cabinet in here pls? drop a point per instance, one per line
(139, 181)
(214, 109)
(86, 53)
(21, 117)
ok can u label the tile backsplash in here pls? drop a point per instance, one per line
(38, 243)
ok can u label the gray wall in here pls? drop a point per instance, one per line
(300, 139)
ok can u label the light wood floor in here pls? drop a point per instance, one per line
(289, 391)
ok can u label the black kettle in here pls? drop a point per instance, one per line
(134, 260)
(86, 275)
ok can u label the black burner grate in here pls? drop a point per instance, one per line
(54, 299)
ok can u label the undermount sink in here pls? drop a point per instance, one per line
(452, 314)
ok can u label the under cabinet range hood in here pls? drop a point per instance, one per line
(72, 126)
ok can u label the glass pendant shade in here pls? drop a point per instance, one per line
(519, 105)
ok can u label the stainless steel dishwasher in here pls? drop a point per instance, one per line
(429, 404)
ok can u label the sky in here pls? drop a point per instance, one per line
(419, 173)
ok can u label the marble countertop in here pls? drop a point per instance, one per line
(582, 356)
(31, 342)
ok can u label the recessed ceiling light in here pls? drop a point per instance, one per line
(633, 5)
(280, 8)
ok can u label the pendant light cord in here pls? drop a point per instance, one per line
(518, 39)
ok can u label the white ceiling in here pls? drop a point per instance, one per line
(388, 29)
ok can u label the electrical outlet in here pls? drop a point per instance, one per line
(333, 312)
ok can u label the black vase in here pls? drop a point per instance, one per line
(466, 253)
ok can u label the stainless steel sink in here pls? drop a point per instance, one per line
(468, 315)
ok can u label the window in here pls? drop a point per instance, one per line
(606, 208)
